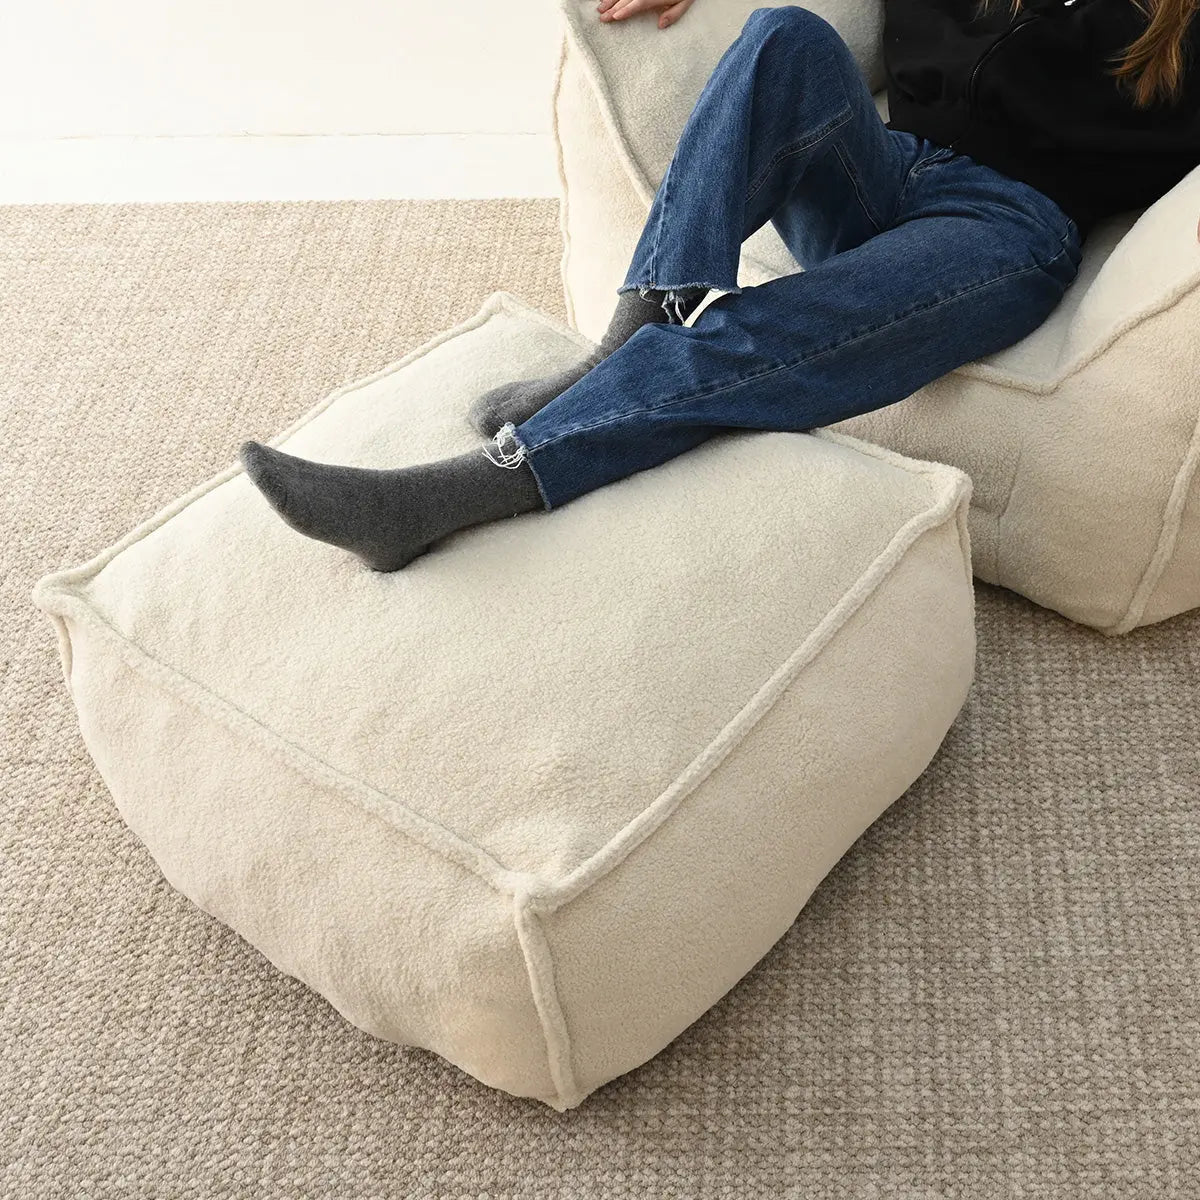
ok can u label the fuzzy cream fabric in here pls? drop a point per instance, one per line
(540, 799)
(1082, 440)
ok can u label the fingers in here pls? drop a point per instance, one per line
(618, 10)
(672, 14)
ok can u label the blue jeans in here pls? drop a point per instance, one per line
(917, 259)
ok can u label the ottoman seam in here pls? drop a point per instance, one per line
(417, 828)
(539, 967)
(912, 466)
(1041, 387)
(998, 549)
(552, 896)
(518, 307)
(607, 114)
(1172, 521)
(561, 172)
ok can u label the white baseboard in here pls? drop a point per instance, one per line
(361, 167)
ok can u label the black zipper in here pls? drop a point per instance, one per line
(973, 77)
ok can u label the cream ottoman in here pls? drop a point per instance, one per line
(1082, 440)
(538, 800)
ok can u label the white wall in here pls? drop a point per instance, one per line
(80, 68)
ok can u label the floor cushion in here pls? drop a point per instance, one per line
(1082, 440)
(538, 800)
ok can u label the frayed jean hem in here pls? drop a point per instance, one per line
(675, 300)
(507, 450)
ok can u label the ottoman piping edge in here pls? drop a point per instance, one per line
(1172, 521)
(550, 896)
(510, 303)
(560, 167)
(391, 812)
(543, 988)
(931, 468)
(977, 369)
(595, 72)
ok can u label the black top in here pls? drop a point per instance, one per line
(1031, 98)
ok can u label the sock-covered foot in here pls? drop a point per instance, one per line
(388, 518)
(517, 402)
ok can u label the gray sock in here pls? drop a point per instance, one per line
(388, 518)
(517, 402)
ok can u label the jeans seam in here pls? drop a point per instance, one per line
(856, 183)
(658, 227)
(788, 366)
(536, 479)
(792, 148)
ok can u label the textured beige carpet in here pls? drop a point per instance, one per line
(995, 994)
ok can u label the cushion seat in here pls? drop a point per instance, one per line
(538, 800)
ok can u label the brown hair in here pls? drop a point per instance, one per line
(1153, 63)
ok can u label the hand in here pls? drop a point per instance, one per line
(669, 11)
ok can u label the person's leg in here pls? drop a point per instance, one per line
(388, 518)
(523, 397)
(785, 130)
(974, 262)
